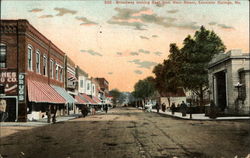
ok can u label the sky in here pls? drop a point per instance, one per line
(123, 42)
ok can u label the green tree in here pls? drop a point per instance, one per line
(197, 52)
(115, 93)
(144, 89)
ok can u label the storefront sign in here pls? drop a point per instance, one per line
(21, 87)
(8, 79)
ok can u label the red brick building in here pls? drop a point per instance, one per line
(29, 65)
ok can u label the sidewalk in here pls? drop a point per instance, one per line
(41, 122)
(198, 116)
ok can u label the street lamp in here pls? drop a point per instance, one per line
(238, 86)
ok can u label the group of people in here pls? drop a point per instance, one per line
(85, 110)
(183, 108)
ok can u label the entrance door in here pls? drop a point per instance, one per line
(11, 109)
(221, 90)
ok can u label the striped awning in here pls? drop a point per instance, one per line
(64, 94)
(97, 100)
(39, 92)
(80, 100)
(89, 99)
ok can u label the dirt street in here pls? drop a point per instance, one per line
(129, 133)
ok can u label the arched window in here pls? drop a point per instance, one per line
(3, 55)
(30, 52)
(38, 61)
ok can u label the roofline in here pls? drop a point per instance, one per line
(226, 59)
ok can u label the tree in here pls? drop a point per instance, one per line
(197, 52)
(115, 94)
(187, 67)
(144, 89)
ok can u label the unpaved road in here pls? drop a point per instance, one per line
(130, 133)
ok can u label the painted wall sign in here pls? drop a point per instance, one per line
(9, 79)
(21, 87)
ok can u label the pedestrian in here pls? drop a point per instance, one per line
(54, 113)
(84, 110)
(106, 108)
(93, 110)
(49, 114)
(183, 108)
(157, 107)
(163, 107)
(173, 107)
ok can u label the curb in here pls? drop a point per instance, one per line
(205, 119)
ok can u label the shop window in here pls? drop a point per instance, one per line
(45, 73)
(3, 55)
(38, 62)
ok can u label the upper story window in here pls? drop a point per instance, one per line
(51, 68)
(3, 55)
(61, 74)
(45, 73)
(57, 67)
(30, 52)
(81, 83)
(88, 86)
(38, 61)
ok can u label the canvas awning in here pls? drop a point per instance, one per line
(80, 100)
(97, 100)
(39, 92)
(89, 99)
(64, 94)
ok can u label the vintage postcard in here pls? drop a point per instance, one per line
(124, 79)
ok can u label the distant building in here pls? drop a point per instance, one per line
(104, 89)
(168, 97)
(71, 82)
(82, 80)
(229, 81)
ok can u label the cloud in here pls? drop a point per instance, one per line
(212, 23)
(118, 53)
(158, 53)
(139, 72)
(144, 37)
(134, 53)
(63, 11)
(110, 73)
(85, 21)
(159, 4)
(35, 10)
(173, 11)
(154, 36)
(46, 16)
(223, 26)
(144, 51)
(91, 52)
(139, 19)
(143, 64)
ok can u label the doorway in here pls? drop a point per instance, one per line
(221, 90)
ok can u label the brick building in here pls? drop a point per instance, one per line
(30, 65)
(104, 89)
